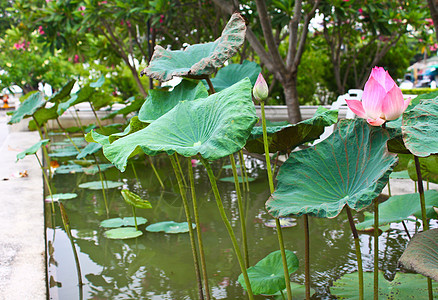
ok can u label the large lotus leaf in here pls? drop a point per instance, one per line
(91, 148)
(28, 107)
(404, 286)
(122, 222)
(135, 200)
(233, 73)
(80, 96)
(215, 127)
(32, 149)
(133, 105)
(287, 137)
(95, 137)
(160, 102)
(198, 60)
(63, 92)
(400, 207)
(350, 167)
(170, 227)
(267, 276)
(97, 185)
(134, 125)
(428, 167)
(421, 254)
(123, 233)
(420, 128)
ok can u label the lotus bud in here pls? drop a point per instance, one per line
(260, 90)
(382, 99)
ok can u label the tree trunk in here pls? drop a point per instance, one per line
(291, 98)
(433, 7)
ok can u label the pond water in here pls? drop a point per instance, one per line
(159, 265)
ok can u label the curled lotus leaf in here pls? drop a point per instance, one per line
(428, 167)
(63, 92)
(135, 200)
(421, 254)
(200, 60)
(351, 167)
(28, 107)
(214, 127)
(229, 75)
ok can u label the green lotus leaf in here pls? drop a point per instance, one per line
(214, 127)
(229, 75)
(298, 292)
(400, 207)
(134, 104)
(82, 162)
(350, 167)
(94, 169)
(198, 60)
(122, 222)
(230, 167)
(32, 149)
(95, 137)
(428, 167)
(400, 175)
(28, 107)
(420, 128)
(97, 185)
(134, 125)
(267, 276)
(421, 254)
(160, 102)
(170, 227)
(404, 286)
(98, 83)
(91, 148)
(287, 137)
(135, 200)
(123, 233)
(61, 196)
(64, 92)
(68, 169)
(64, 153)
(80, 96)
(239, 178)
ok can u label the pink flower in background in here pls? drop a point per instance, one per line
(76, 59)
(128, 24)
(360, 10)
(81, 8)
(103, 2)
(382, 99)
(40, 30)
(194, 162)
(161, 18)
(122, 22)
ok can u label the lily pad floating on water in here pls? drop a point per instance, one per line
(239, 178)
(97, 185)
(69, 169)
(123, 233)
(200, 60)
(267, 276)
(94, 169)
(61, 196)
(64, 153)
(404, 286)
(284, 222)
(122, 222)
(421, 254)
(170, 227)
(230, 167)
(350, 167)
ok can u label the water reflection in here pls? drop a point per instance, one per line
(159, 266)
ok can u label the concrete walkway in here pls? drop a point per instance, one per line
(22, 243)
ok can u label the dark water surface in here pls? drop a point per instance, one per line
(159, 265)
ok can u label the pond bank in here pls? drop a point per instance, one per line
(22, 246)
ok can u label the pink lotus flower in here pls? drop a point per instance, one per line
(260, 90)
(40, 30)
(382, 99)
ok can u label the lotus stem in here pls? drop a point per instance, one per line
(406, 229)
(97, 118)
(182, 189)
(210, 85)
(155, 171)
(389, 189)
(180, 170)
(198, 231)
(307, 255)
(135, 173)
(376, 249)
(135, 217)
(423, 212)
(47, 182)
(78, 120)
(241, 212)
(45, 153)
(228, 226)
(244, 172)
(66, 223)
(68, 135)
(271, 189)
(358, 253)
(103, 185)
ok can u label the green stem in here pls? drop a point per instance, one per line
(45, 153)
(423, 212)
(228, 226)
(78, 120)
(241, 211)
(68, 135)
(103, 186)
(307, 255)
(358, 253)
(182, 189)
(155, 171)
(245, 172)
(135, 174)
(389, 189)
(135, 217)
(198, 230)
(47, 182)
(180, 171)
(271, 189)
(97, 118)
(376, 249)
